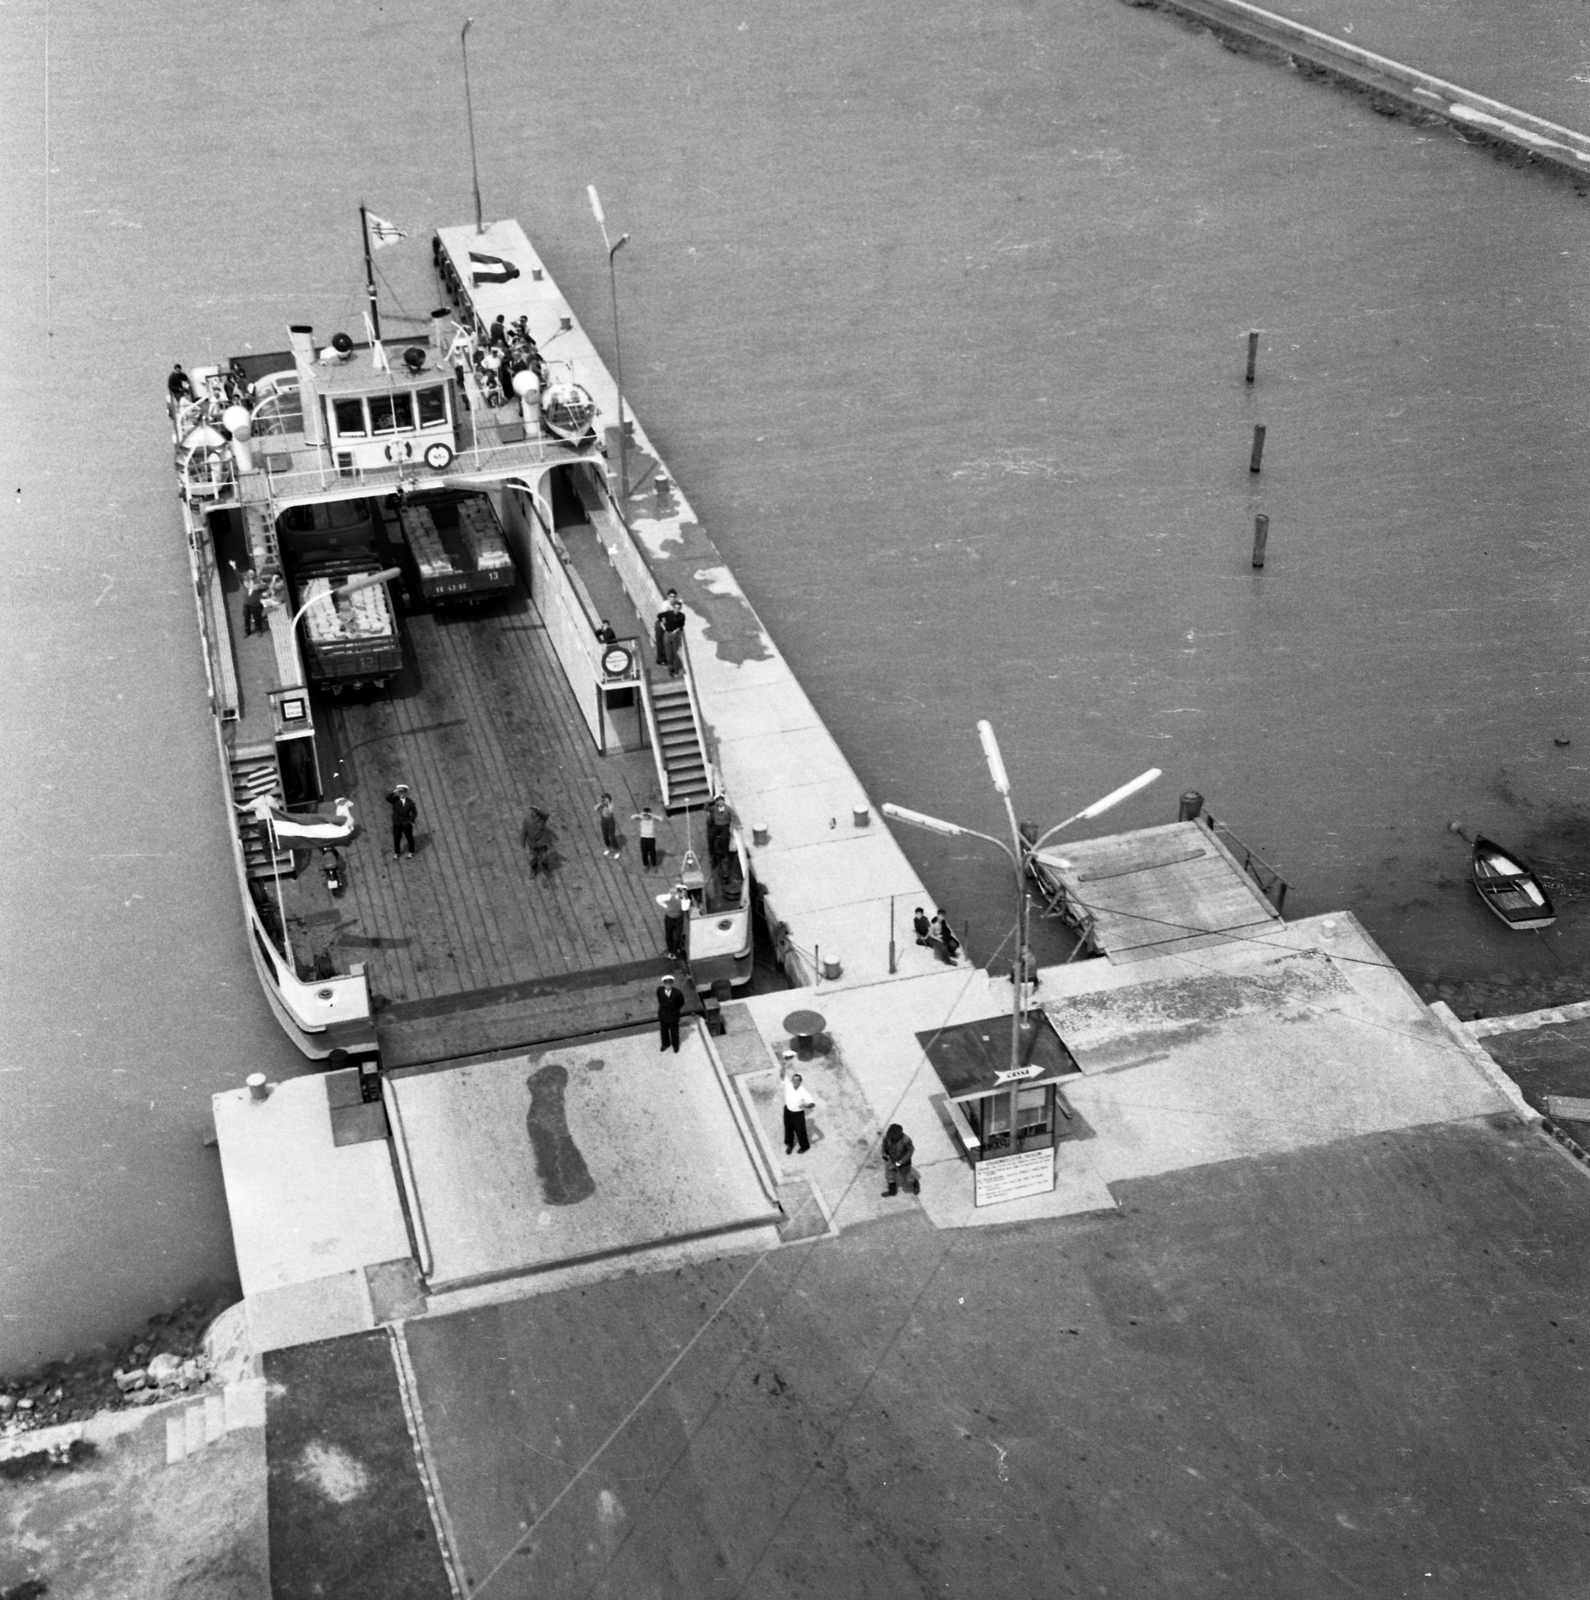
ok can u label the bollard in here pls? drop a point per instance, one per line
(759, 833)
(258, 1088)
(1192, 804)
(1253, 354)
(565, 324)
(1261, 535)
(861, 815)
(1258, 447)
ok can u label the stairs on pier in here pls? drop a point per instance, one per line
(679, 752)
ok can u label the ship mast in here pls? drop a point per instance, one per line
(369, 271)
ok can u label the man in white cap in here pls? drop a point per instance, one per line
(797, 1102)
(670, 1007)
(404, 811)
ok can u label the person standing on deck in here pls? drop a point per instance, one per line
(672, 623)
(674, 937)
(720, 832)
(670, 1007)
(798, 1101)
(404, 811)
(253, 605)
(179, 385)
(604, 810)
(536, 837)
(648, 835)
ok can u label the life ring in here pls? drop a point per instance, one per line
(402, 450)
(439, 456)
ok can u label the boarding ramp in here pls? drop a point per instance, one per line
(1154, 892)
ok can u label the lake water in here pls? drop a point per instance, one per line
(939, 315)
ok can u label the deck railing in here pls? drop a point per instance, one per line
(1270, 882)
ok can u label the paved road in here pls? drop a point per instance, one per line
(1345, 1371)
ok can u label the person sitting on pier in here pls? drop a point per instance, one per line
(921, 926)
(942, 938)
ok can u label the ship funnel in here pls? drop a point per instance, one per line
(303, 338)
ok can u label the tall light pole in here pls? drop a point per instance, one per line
(1019, 852)
(469, 111)
(618, 347)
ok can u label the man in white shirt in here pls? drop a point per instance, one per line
(797, 1102)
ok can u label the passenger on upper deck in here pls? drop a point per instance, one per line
(489, 364)
(605, 633)
(179, 385)
(499, 332)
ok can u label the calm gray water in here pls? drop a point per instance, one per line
(938, 313)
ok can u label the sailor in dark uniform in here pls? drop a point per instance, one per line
(670, 1007)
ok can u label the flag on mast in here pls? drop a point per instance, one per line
(378, 358)
(382, 232)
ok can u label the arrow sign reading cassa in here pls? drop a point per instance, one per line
(1016, 1074)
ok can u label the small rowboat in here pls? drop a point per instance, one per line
(1509, 888)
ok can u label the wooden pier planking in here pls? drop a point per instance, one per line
(1158, 890)
(480, 725)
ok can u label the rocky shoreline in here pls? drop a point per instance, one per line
(166, 1359)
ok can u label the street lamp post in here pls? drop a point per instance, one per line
(1019, 852)
(613, 247)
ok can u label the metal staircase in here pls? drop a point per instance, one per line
(681, 761)
(254, 777)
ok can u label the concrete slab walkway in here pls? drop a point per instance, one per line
(581, 1151)
(309, 1215)
(1297, 1036)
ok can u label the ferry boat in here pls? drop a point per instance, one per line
(411, 567)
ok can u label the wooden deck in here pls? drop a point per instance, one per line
(466, 952)
(1156, 891)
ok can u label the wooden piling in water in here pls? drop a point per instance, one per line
(1261, 537)
(1253, 353)
(1258, 447)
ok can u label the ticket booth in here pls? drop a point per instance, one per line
(1008, 1119)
